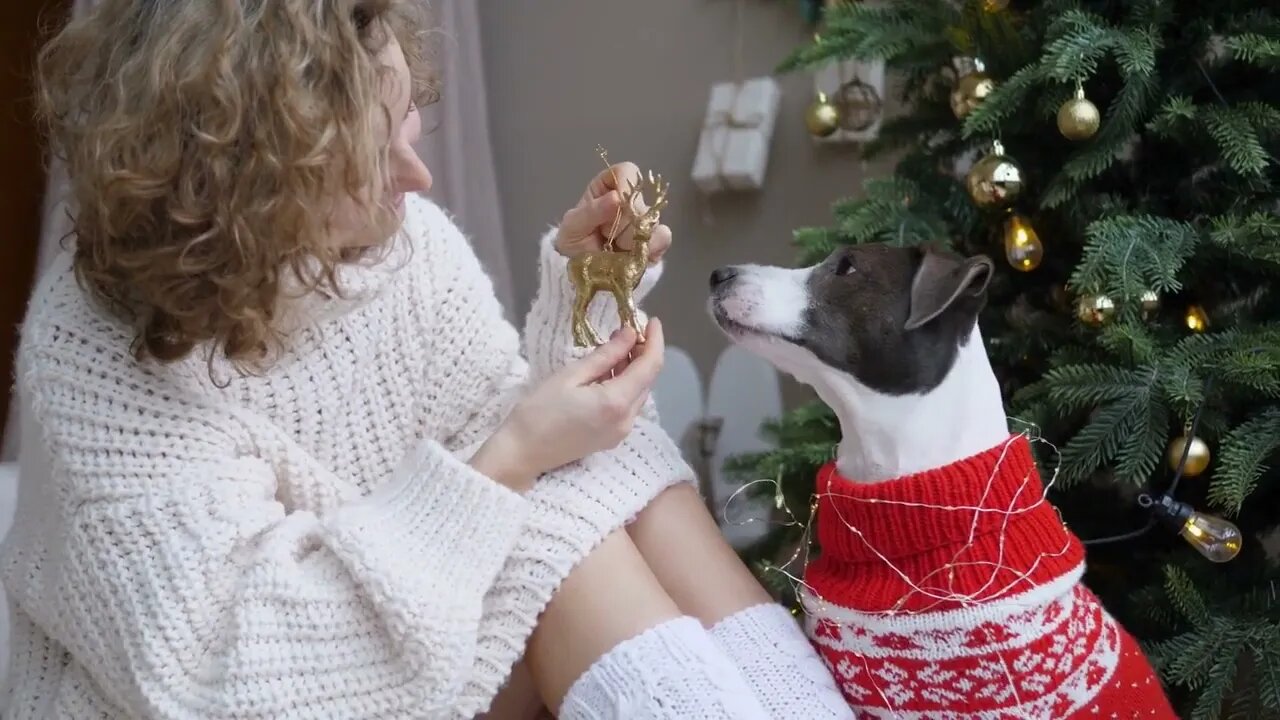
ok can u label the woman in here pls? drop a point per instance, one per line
(299, 465)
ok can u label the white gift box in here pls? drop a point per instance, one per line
(733, 150)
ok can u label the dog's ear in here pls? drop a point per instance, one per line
(941, 279)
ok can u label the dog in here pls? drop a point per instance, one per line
(946, 586)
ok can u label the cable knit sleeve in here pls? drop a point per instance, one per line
(184, 587)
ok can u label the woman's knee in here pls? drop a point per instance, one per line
(681, 542)
(611, 596)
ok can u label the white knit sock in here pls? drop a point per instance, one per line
(673, 671)
(780, 664)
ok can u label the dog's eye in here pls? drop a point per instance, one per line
(844, 266)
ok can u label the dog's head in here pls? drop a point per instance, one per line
(892, 319)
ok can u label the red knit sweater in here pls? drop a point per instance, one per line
(942, 614)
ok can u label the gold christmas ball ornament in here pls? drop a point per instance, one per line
(1078, 119)
(858, 106)
(995, 181)
(1198, 456)
(1095, 310)
(1196, 319)
(1022, 247)
(823, 117)
(970, 90)
(1149, 303)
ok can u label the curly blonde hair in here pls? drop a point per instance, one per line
(200, 140)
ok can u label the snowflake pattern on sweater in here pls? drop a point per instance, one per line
(308, 542)
(955, 594)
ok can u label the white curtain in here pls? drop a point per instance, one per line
(456, 148)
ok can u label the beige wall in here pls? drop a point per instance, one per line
(564, 75)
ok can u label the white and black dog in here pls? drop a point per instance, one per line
(946, 585)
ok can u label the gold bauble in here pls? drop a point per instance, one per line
(994, 6)
(1022, 247)
(823, 117)
(1197, 457)
(1078, 119)
(1095, 310)
(995, 181)
(1150, 304)
(971, 89)
(1196, 319)
(858, 106)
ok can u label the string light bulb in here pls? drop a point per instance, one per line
(1217, 539)
(1022, 247)
(1196, 319)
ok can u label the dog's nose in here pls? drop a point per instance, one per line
(722, 275)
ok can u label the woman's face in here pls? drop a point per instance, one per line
(408, 174)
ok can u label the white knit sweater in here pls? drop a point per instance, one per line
(309, 543)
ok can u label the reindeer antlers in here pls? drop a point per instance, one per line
(650, 183)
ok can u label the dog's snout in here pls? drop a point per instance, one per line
(722, 275)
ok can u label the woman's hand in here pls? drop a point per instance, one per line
(590, 223)
(575, 412)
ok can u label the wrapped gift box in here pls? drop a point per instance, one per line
(733, 151)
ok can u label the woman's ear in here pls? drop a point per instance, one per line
(944, 278)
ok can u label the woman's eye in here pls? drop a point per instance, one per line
(844, 266)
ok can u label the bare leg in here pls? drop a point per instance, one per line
(517, 700)
(613, 644)
(611, 596)
(696, 566)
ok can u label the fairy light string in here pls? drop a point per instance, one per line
(1146, 500)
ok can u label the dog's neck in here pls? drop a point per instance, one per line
(886, 436)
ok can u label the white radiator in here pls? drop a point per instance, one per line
(714, 423)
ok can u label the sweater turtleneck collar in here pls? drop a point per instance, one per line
(360, 281)
(984, 520)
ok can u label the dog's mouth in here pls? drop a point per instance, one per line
(737, 330)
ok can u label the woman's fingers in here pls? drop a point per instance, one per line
(632, 385)
(598, 362)
(659, 243)
(582, 229)
(618, 176)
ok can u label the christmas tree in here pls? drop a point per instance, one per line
(1119, 159)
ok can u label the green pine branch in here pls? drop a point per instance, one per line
(1128, 255)
(815, 243)
(1237, 139)
(1255, 236)
(1080, 387)
(1218, 680)
(1132, 341)
(1266, 655)
(1129, 429)
(1242, 460)
(1184, 596)
(1007, 98)
(893, 210)
(908, 29)
(1254, 49)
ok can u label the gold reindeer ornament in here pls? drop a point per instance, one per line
(617, 271)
